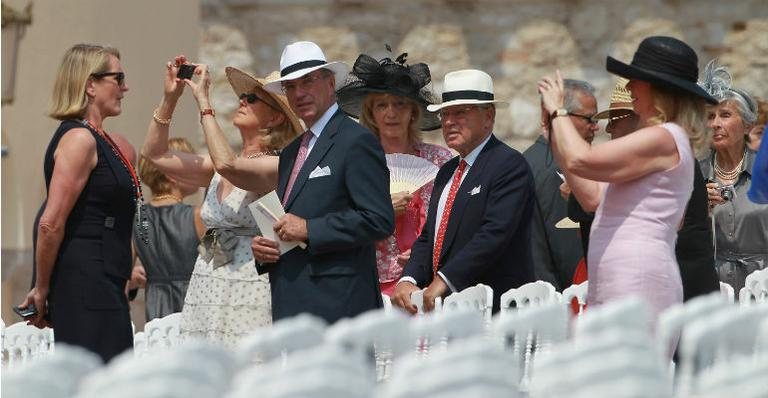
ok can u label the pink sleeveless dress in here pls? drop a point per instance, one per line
(632, 243)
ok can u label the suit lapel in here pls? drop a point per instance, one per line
(321, 147)
(463, 196)
(287, 159)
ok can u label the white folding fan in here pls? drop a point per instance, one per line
(408, 172)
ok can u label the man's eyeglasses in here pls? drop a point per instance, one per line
(304, 83)
(589, 119)
(119, 76)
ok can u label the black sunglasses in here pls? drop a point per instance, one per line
(250, 98)
(119, 76)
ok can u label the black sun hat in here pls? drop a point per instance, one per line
(663, 61)
(388, 77)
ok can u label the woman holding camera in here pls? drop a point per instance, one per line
(741, 226)
(226, 298)
(83, 248)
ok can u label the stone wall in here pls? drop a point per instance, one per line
(516, 41)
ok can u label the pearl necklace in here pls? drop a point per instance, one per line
(732, 174)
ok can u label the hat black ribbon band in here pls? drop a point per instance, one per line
(301, 65)
(467, 94)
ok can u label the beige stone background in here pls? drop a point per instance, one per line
(516, 41)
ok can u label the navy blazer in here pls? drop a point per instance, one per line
(347, 211)
(488, 235)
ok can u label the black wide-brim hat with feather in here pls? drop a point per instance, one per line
(663, 61)
(388, 77)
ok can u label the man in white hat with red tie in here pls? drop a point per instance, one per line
(334, 185)
(478, 222)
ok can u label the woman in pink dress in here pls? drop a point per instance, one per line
(390, 98)
(649, 174)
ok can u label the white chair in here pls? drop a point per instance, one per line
(739, 376)
(630, 313)
(532, 294)
(387, 301)
(139, 344)
(727, 291)
(672, 320)
(288, 335)
(417, 299)
(477, 298)
(530, 335)
(23, 343)
(438, 331)
(163, 332)
(578, 292)
(757, 285)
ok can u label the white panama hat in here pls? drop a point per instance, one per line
(467, 87)
(304, 57)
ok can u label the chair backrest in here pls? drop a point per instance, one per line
(672, 320)
(630, 313)
(757, 283)
(283, 337)
(23, 343)
(477, 298)
(387, 301)
(139, 344)
(163, 332)
(578, 292)
(727, 291)
(531, 294)
(417, 299)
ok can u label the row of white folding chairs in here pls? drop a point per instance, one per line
(159, 334)
(23, 343)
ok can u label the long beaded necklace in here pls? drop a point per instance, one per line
(732, 174)
(142, 223)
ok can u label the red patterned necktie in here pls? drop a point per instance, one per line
(446, 214)
(300, 158)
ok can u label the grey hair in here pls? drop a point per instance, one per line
(574, 89)
(716, 80)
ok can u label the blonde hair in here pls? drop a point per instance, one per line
(154, 178)
(684, 109)
(367, 120)
(69, 99)
(279, 136)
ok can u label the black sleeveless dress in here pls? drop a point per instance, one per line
(86, 302)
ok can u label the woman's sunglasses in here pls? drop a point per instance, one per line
(119, 76)
(249, 98)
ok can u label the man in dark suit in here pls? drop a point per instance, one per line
(478, 222)
(334, 185)
(557, 250)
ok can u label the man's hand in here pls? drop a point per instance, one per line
(438, 288)
(291, 228)
(565, 190)
(39, 297)
(402, 297)
(400, 201)
(265, 250)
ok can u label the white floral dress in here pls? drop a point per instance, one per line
(227, 303)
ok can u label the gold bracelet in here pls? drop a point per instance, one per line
(158, 120)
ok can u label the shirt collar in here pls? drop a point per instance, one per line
(319, 125)
(472, 156)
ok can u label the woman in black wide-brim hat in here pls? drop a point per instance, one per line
(645, 178)
(390, 98)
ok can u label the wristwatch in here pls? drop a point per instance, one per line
(207, 111)
(559, 112)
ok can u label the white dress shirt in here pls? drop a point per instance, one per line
(319, 125)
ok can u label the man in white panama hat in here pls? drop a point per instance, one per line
(478, 222)
(334, 184)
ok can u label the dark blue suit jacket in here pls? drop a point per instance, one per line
(346, 212)
(488, 235)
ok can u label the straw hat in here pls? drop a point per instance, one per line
(243, 83)
(467, 87)
(304, 57)
(621, 101)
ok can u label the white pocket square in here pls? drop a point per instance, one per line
(475, 190)
(320, 172)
